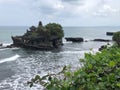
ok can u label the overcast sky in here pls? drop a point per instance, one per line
(65, 12)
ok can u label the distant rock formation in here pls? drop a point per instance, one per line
(1, 44)
(74, 39)
(42, 37)
(102, 40)
(110, 33)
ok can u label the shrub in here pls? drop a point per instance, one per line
(100, 72)
(48, 31)
(116, 38)
(55, 29)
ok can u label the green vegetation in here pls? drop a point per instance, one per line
(50, 30)
(100, 72)
(116, 38)
(55, 29)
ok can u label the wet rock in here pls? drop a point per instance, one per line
(1, 44)
(110, 33)
(102, 40)
(74, 39)
(32, 28)
(42, 37)
(102, 47)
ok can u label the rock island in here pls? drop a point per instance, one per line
(41, 37)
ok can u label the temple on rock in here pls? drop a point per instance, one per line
(41, 37)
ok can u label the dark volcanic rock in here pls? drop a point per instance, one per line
(102, 40)
(42, 37)
(110, 33)
(32, 28)
(73, 39)
(1, 44)
(102, 47)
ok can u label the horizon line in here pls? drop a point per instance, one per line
(62, 26)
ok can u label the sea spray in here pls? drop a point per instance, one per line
(80, 52)
(13, 58)
(6, 44)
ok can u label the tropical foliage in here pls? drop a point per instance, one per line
(100, 72)
(55, 29)
(49, 30)
(116, 38)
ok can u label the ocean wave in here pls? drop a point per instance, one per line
(2, 49)
(15, 48)
(13, 58)
(6, 44)
(64, 42)
(80, 52)
(87, 40)
(19, 82)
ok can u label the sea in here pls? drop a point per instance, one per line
(18, 65)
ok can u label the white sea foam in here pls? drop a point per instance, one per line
(15, 48)
(87, 39)
(80, 52)
(13, 58)
(64, 42)
(2, 49)
(6, 44)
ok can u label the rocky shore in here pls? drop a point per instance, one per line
(42, 37)
(46, 37)
(74, 39)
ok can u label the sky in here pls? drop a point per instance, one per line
(64, 12)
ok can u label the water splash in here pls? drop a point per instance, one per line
(13, 58)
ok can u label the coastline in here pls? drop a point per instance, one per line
(33, 62)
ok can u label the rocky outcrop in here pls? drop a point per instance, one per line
(102, 40)
(102, 47)
(42, 37)
(110, 33)
(1, 44)
(74, 39)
